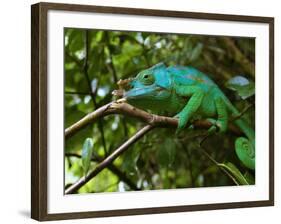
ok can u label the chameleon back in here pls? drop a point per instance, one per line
(190, 76)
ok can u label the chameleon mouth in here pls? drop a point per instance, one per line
(138, 93)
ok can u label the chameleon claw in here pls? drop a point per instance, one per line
(190, 127)
(178, 131)
(217, 126)
(212, 129)
(181, 124)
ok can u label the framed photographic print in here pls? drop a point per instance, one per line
(139, 111)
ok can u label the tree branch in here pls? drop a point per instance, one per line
(73, 188)
(120, 107)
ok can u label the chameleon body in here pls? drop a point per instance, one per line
(189, 94)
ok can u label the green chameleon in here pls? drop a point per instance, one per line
(190, 94)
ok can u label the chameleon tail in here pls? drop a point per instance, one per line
(244, 147)
(245, 152)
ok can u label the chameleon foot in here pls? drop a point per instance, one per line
(182, 121)
(217, 126)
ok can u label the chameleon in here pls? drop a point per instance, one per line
(189, 94)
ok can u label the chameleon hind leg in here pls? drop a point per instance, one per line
(244, 148)
(245, 151)
(192, 105)
(222, 120)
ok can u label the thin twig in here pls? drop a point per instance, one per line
(115, 77)
(213, 160)
(235, 117)
(121, 175)
(73, 188)
(75, 60)
(100, 125)
(112, 68)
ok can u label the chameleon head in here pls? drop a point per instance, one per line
(152, 84)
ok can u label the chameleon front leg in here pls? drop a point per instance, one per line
(196, 98)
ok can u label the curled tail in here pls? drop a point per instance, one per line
(245, 152)
(244, 147)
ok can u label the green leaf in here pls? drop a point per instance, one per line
(196, 52)
(249, 177)
(244, 87)
(130, 160)
(234, 173)
(167, 152)
(87, 152)
(76, 40)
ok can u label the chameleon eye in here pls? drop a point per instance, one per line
(148, 79)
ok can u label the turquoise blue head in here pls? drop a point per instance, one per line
(150, 85)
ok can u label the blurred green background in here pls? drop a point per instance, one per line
(95, 60)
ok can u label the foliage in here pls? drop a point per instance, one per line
(95, 60)
(242, 86)
(87, 152)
